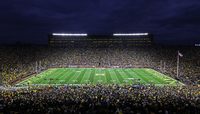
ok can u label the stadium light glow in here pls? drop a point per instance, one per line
(130, 34)
(197, 45)
(69, 34)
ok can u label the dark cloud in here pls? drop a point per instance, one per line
(171, 21)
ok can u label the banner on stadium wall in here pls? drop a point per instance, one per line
(115, 66)
(72, 66)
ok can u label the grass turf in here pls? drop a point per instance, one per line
(59, 76)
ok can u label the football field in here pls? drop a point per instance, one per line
(81, 76)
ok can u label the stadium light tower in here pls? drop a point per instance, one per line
(130, 34)
(69, 34)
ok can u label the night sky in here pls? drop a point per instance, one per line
(30, 21)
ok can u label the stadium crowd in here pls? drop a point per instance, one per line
(19, 62)
(100, 99)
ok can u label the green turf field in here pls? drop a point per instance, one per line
(60, 76)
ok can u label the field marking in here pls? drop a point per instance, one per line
(86, 76)
(114, 77)
(156, 78)
(34, 76)
(19, 85)
(125, 76)
(140, 76)
(50, 76)
(104, 77)
(95, 75)
(70, 75)
(91, 78)
(81, 75)
(107, 77)
(100, 74)
(119, 77)
(132, 74)
(38, 78)
(165, 76)
(76, 76)
(60, 77)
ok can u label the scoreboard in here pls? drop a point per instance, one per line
(85, 40)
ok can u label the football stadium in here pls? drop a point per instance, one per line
(99, 74)
(83, 73)
(100, 57)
